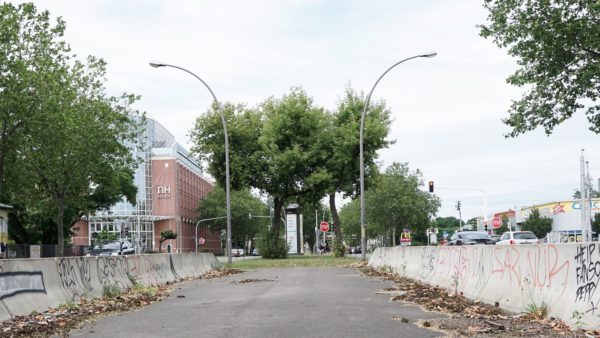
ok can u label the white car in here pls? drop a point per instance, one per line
(518, 237)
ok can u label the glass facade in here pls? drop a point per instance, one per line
(155, 140)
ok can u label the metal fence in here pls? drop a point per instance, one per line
(41, 251)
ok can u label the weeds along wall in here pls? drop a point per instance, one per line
(28, 285)
(562, 277)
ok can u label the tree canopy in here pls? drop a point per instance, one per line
(273, 148)
(556, 46)
(395, 202)
(243, 203)
(63, 140)
(540, 226)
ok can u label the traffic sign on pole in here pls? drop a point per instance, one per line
(324, 226)
(201, 241)
(496, 222)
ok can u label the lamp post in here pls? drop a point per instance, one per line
(227, 190)
(204, 220)
(363, 237)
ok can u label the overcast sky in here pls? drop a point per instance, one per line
(447, 110)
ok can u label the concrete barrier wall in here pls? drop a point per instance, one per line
(565, 277)
(28, 285)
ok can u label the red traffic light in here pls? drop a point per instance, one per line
(430, 186)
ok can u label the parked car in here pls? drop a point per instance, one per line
(254, 252)
(518, 237)
(111, 248)
(237, 252)
(471, 238)
(496, 238)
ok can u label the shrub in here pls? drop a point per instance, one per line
(270, 248)
(339, 249)
(111, 291)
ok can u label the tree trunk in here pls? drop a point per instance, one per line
(277, 205)
(336, 218)
(61, 215)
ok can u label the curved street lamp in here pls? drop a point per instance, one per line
(363, 237)
(228, 193)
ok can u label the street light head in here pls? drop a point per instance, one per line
(429, 55)
(156, 65)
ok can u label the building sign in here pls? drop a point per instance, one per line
(163, 192)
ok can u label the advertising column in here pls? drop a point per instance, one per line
(293, 231)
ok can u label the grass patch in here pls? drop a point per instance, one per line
(292, 261)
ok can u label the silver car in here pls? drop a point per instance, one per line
(518, 237)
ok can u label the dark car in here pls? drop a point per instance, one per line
(471, 238)
(111, 248)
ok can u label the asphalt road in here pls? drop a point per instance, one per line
(290, 302)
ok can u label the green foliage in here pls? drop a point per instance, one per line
(270, 248)
(540, 226)
(577, 316)
(243, 203)
(340, 146)
(447, 223)
(273, 148)
(555, 43)
(293, 261)
(396, 202)
(111, 291)
(164, 236)
(537, 311)
(104, 235)
(81, 163)
(167, 234)
(386, 269)
(577, 194)
(339, 249)
(148, 291)
(596, 223)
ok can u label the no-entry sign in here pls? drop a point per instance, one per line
(324, 226)
(496, 222)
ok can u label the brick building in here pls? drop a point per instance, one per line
(170, 186)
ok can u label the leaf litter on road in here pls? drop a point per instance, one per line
(59, 321)
(472, 318)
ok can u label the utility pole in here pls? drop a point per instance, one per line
(460, 226)
(588, 218)
(582, 197)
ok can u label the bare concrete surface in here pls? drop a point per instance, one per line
(290, 302)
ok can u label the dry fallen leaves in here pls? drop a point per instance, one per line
(59, 321)
(472, 318)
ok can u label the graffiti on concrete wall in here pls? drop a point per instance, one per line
(13, 283)
(113, 271)
(75, 277)
(587, 274)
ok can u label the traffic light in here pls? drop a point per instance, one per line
(458, 205)
(430, 186)
(485, 227)
(126, 231)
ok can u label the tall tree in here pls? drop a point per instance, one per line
(29, 44)
(277, 148)
(556, 45)
(341, 146)
(71, 137)
(395, 201)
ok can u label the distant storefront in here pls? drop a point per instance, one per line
(565, 215)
